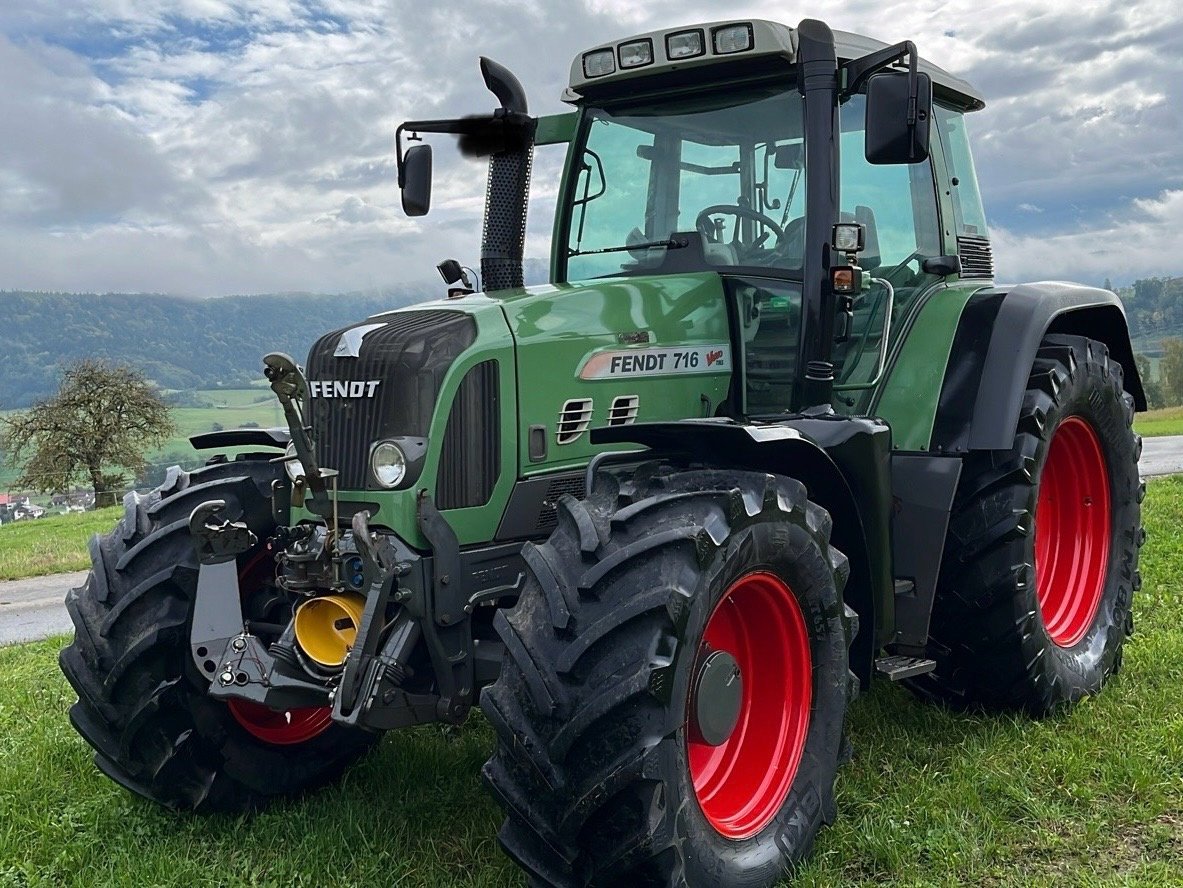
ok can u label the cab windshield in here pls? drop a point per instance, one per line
(710, 180)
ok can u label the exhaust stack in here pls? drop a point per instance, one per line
(504, 239)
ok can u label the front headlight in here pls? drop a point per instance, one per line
(389, 464)
(292, 464)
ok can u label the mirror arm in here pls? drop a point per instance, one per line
(457, 126)
(858, 70)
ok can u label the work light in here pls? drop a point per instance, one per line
(636, 54)
(849, 237)
(684, 45)
(389, 464)
(732, 38)
(599, 62)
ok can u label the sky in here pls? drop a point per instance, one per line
(212, 147)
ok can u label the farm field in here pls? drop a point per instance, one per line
(1154, 423)
(932, 798)
(229, 408)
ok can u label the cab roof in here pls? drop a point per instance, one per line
(771, 41)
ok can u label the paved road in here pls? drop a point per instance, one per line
(32, 609)
(1161, 456)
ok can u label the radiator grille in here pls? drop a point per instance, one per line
(977, 259)
(548, 515)
(470, 461)
(407, 356)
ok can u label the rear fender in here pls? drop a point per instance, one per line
(845, 464)
(995, 347)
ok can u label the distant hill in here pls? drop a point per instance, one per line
(192, 344)
(179, 343)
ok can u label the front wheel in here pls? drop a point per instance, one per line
(1041, 562)
(670, 709)
(142, 700)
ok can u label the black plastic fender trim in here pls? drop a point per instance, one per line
(845, 464)
(1026, 314)
(278, 438)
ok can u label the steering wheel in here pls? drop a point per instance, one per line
(745, 251)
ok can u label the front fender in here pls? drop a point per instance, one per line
(844, 463)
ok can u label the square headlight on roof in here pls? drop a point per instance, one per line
(684, 45)
(599, 62)
(636, 53)
(732, 38)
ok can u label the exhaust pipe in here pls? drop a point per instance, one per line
(504, 239)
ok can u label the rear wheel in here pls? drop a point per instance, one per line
(1042, 555)
(143, 702)
(671, 705)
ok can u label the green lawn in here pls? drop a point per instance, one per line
(1091, 798)
(51, 545)
(1168, 421)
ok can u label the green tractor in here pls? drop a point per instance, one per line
(771, 432)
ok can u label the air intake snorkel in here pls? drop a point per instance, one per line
(506, 137)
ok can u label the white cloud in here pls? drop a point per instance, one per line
(213, 146)
(1139, 242)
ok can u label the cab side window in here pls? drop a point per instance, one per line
(897, 204)
(968, 214)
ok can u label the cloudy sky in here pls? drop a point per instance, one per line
(209, 147)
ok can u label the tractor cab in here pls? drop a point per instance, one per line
(715, 149)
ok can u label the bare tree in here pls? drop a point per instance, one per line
(102, 420)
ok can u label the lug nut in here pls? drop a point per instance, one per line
(239, 644)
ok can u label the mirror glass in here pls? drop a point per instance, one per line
(889, 137)
(417, 180)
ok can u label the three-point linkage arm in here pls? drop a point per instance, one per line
(291, 388)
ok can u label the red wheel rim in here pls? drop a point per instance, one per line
(282, 728)
(279, 727)
(1072, 523)
(742, 783)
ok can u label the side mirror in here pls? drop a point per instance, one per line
(416, 180)
(896, 131)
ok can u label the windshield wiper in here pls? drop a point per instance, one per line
(673, 243)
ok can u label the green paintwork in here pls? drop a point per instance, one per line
(556, 129)
(397, 508)
(542, 336)
(557, 327)
(908, 396)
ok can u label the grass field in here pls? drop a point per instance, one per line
(51, 545)
(1090, 798)
(1168, 421)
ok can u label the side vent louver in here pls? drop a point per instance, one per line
(574, 419)
(623, 410)
(977, 260)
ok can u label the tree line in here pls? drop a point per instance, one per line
(1154, 310)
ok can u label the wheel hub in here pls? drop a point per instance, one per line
(718, 696)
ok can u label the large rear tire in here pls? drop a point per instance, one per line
(628, 753)
(142, 701)
(1041, 561)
